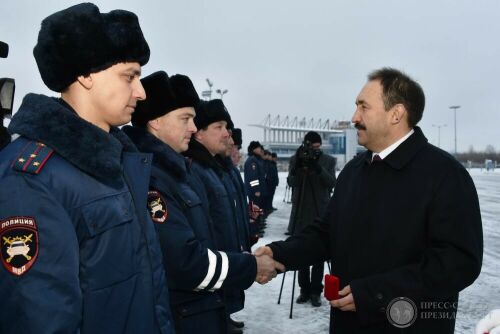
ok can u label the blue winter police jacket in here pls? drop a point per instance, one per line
(79, 251)
(179, 207)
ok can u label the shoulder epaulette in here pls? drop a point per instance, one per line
(32, 158)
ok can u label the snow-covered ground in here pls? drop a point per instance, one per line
(262, 314)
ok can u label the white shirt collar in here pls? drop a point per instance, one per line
(391, 148)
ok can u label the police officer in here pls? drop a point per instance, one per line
(163, 125)
(274, 177)
(78, 249)
(255, 179)
(211, 138)
(254, 212)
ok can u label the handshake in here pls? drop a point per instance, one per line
(267, 267)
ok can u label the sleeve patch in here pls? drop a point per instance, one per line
(157, 207)
(18, 244)
(254, 166)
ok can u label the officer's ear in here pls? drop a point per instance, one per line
(154, 124)
(85, 81)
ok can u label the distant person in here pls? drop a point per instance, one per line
(255, 174)
(79, 250)
(312, 177)
(275, 177)
(403, 224)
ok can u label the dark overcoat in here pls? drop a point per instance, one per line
(310, 191)
(408, 226)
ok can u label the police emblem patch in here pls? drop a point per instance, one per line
(18, 244)
(254, 166)
(157, 207)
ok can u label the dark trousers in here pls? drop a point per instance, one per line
(310, 281)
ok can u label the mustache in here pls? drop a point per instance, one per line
(360, 126)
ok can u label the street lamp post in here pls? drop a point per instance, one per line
(439, 126)
(208, 93)
(221, 92)
(455, 117)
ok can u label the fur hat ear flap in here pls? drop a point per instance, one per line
(80, 40)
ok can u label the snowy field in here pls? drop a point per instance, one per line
(262, 315)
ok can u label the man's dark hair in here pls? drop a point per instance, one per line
(397, 87)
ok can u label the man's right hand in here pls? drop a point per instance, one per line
(266, 251)
(257, 194)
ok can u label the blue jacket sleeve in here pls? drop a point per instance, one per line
(45, 295)
(193, 266)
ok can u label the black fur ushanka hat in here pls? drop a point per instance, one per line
(208, 112)
(163, 95)
(80, 40)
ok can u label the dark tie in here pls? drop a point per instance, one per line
(376, 158)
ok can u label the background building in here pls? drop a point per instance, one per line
(284, 135)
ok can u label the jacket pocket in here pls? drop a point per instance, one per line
(107, 213)
(110, 309)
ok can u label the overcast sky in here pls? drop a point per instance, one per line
(301, 58)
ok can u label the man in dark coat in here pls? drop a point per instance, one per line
(79, 250)
(178, 204)
(403, 228)
(312, 177)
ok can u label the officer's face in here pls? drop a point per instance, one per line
(113, 95)
(235, 155)
(214, 137)
(229, 144)
(175, 128)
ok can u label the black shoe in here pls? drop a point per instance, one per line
(233, 330)
(302, 298)
(315, 300)
(287, 233)
(237, 324)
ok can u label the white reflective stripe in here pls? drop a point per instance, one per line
(223, 271)
(254, 183)
(212, 263)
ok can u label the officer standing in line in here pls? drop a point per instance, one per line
(236, 189)
(78, 248)
(255, 183)
(235, 152)
(211, 139)
(266, 162)
(178, 204)
(237, 185)
(254, 212)
(274, 176)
